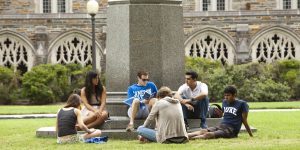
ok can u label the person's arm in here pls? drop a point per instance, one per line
(245, 110)
(203, 93)
(245, 122)
(151, 117)
(85, 101)
(103, 101)
(179, 97)
(80, 122)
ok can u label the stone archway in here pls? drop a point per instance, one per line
(211, 43)
(74, 46)
(274, 43)
(16, 51)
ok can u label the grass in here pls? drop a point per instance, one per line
(29, 109)
(52, 109)
(276, 130)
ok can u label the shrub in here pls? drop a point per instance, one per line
(254, 81)
(46, 83)
(202, 66)
(9, 83)
(217, 81)
(266, 90)
(288, 71)
(77, 76)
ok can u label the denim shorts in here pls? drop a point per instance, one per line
(142, 113)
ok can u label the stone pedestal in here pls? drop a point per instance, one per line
(243, 38)
(41, 44)
(144, 35)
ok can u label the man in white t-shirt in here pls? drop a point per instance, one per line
(193, 96)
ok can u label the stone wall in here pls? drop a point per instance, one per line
(19, 16)
(55, 24)
(17, 6)
(227, 21)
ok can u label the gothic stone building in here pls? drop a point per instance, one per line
(233, 31)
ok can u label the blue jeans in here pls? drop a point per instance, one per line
(147, 133)
(200, 112)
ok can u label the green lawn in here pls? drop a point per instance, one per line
(46, 109)
(276, 130)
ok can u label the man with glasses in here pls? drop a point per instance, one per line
(143, 94)
(193, 96)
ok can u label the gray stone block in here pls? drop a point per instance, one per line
(145, 36)
(122, 122)
(112, 134)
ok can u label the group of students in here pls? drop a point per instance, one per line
(166, 115)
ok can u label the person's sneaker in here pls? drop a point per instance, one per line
(129, 128)
(142, 139)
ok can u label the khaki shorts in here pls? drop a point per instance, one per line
(74, 138)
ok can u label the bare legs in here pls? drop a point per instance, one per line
(92, 121)
(135, 108)
(202, 134)
(90, 135)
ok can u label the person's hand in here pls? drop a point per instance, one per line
(186, 101)
(189, 107)
(98, 114)
(146, 101)
(92, 130)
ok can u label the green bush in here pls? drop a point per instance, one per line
(255, 82)
(266, 90)
(77, 76)
(288, 71)
(46, 83)
(9, 83)
(202, 66)
(217, 81)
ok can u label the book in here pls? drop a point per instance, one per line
(128, 101)
(147, 95)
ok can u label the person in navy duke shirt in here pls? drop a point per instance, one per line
(235, 112)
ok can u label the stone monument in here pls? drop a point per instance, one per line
(144, 35)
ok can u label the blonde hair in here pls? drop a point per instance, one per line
(164, 91)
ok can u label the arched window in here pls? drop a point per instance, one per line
(15, 51)
(74, 47)
(275, 44)
(210, 44)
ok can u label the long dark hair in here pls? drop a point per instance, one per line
(73, 101)
(90, 89)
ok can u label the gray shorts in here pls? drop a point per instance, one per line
(222, 131)
(141, 114)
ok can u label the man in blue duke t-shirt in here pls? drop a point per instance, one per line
(235, 112)
(141, 103)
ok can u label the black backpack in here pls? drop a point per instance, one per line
(214, 111)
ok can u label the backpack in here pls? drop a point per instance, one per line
(214, 111)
